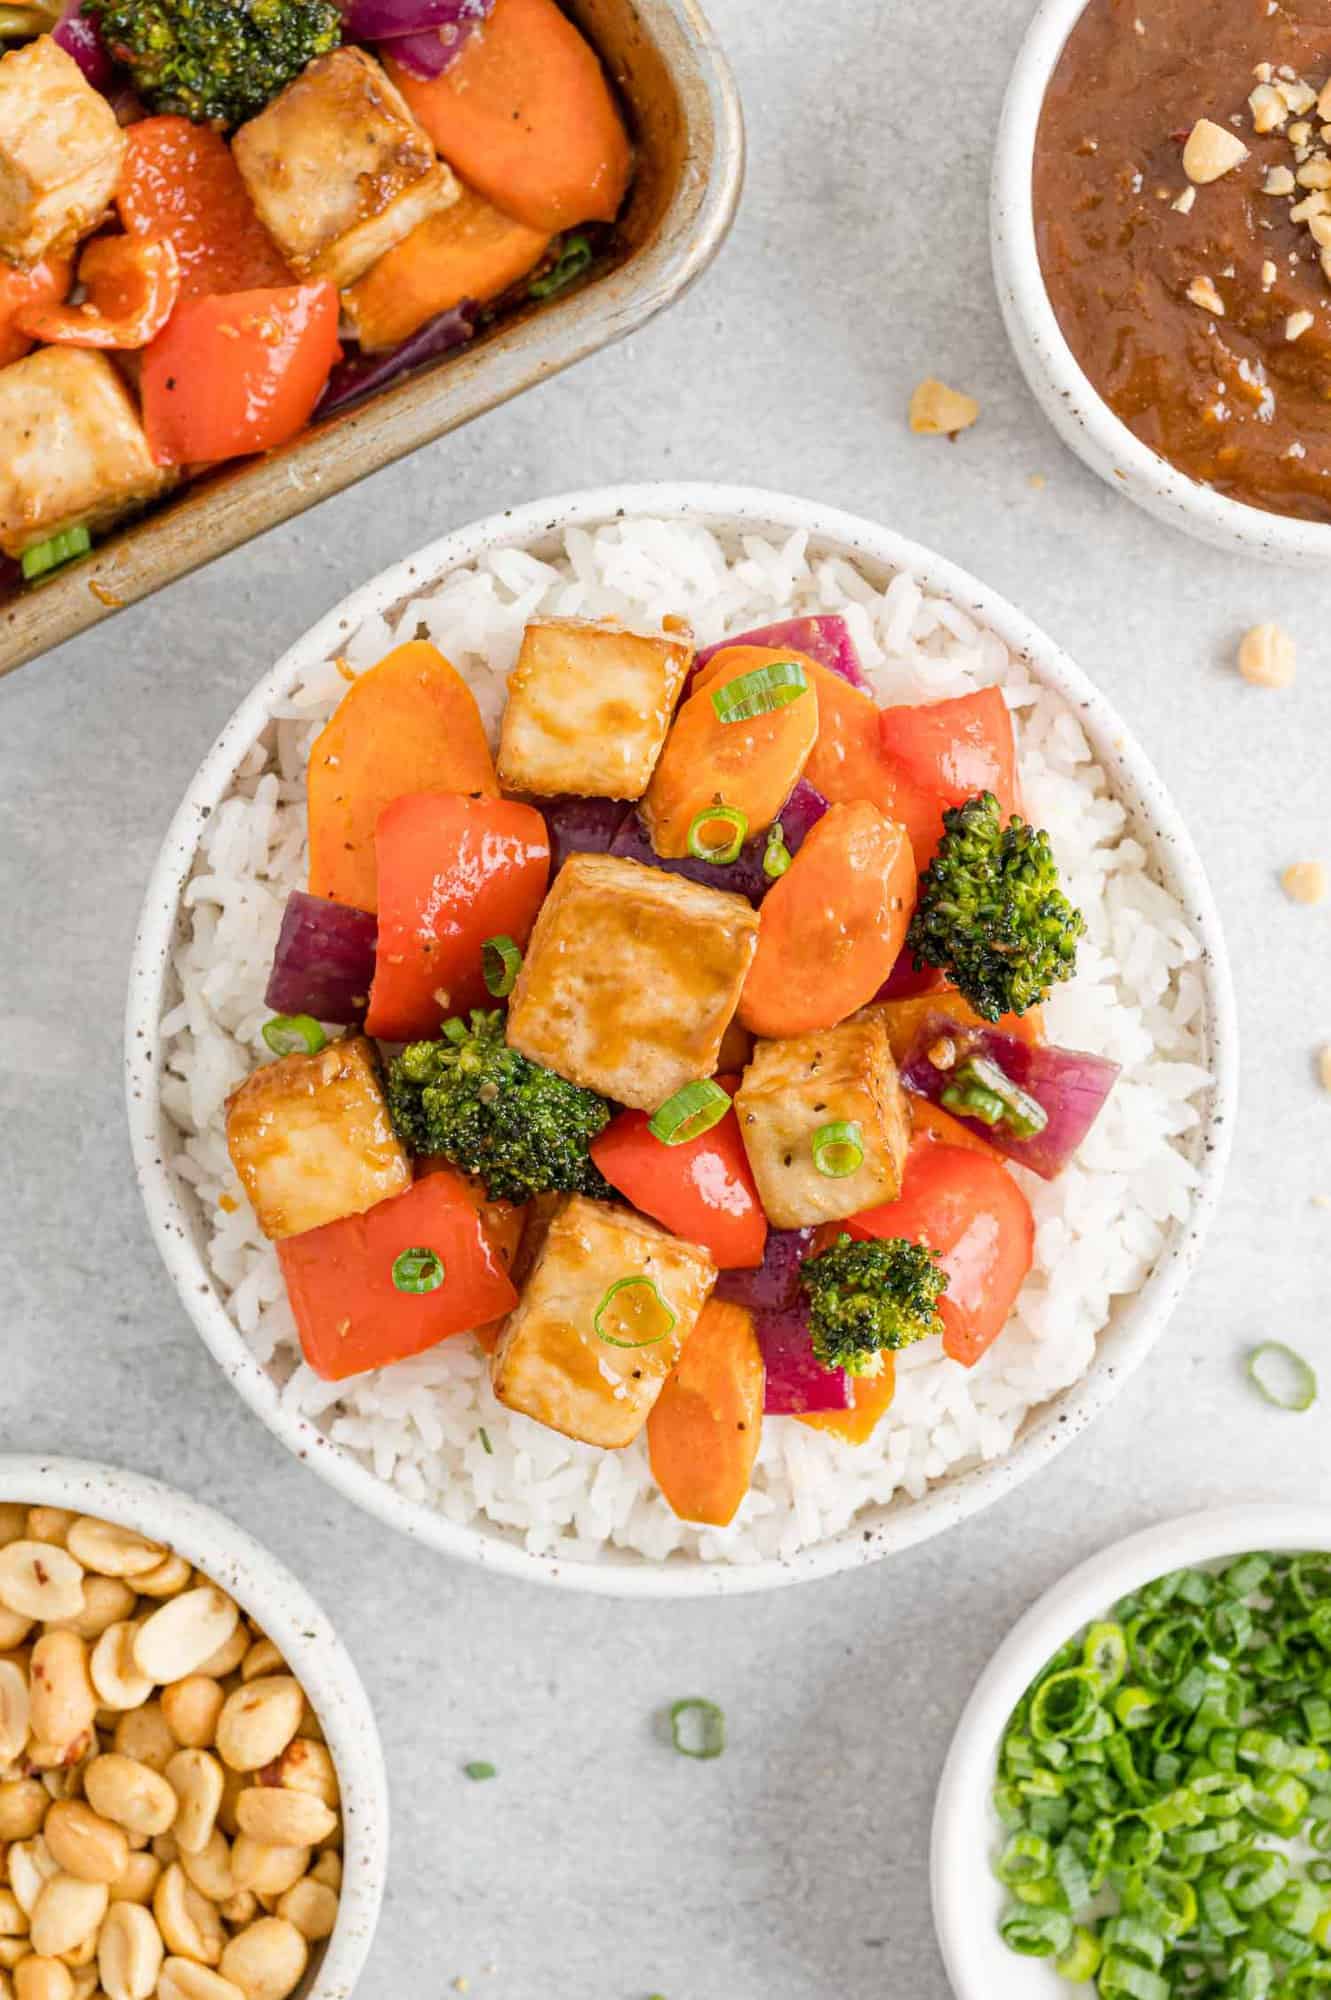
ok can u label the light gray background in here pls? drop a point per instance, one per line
(599, 1866)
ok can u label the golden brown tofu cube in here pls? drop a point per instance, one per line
(588, 709)
(792, 1088)
(631, 978)
(338, 168)
(60, 153)
(71, 447)
(552, 1363)
(311, 1139)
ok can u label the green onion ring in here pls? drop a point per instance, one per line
(501, 962)
(838, 1149)
(777, 857)
(1284, 1378)
(479, 1772)
(418, 1270)
(718, 815)
(761, 692)
(624, 1284)
(286, 1034)
(691, 1111)
(706, 1726)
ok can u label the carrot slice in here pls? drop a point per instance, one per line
(410, 724)
(904, 1019)
(45, 284)
(870, 1398)
(931, 1125)
(705, 1427)
(132, 284)
(179, 181)
(832, 926)
(525, 114)
(751, 765)
(469, 251)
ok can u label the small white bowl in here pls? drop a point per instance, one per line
(1077, 411)
(307, 1642)
(1135, 1322)
(968, 1901)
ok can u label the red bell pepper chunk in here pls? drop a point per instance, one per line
(237, 373)
(132, 284)
(849, 762)
(702, 1190)
(350, 1314)
(954, 749)
(972, 1214)
(42, 284)
(453, 871)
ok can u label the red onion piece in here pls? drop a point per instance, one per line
(360, 374)
(430, 52)
(797, 1385)
(825, 639)
(744, 876)
(80, 37)
(903, 982)
(1070, 1085)
(324, 961)
(582, 826)
(775, 1283)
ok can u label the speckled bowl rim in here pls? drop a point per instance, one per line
(966, 1898)
(1077, 411)
(304, 1636)
(1136, 1322)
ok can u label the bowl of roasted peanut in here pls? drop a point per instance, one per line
(193, 1803)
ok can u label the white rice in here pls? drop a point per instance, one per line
(1137, 997)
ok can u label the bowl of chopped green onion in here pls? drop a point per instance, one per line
(1137, 1800)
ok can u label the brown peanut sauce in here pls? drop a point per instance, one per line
(1229, 399)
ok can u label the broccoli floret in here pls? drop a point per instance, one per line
(867, 1299)
(519, 1128)
(217, 62)
(991, 913)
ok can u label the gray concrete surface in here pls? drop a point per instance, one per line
(599, 1866)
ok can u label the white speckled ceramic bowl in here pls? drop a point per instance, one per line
(307, 1642)
(968, 1901)
(1078, 413)
(1136, 1321)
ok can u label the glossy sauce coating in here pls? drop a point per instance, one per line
(1228, 399)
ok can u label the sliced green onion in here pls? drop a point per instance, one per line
(64, 548)
(574, 257)
(1106, 1654)
(501, 962)
(1282, 1376)
(693, 1110)
(777, 857)
(722, 852)
(838, 1149)
(419, 1270)
(1037, 1933)
(761, 692)
(640, 1306)
(1081, 1960)
(697, 1728)
(287, 1033)
(479, 1772)
(981, 1089)
(486, 1445)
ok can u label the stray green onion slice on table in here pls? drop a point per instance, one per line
(721, 817)
(761, 692)
(418, 1270)
(1282, 1376)
(1164, 1787)
(693, 1110)
(697, 1728)
(480, 1771)
(501, 962)
(838, 1149)
(289, 1034)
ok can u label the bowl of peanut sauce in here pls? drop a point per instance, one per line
(1161, 229)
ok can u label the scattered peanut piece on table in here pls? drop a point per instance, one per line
(937, 411)
(1305, 882)
(1324, 1066)
(1267, 657)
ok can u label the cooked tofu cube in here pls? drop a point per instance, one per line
(552, 1363)
(60, 152)
(792, 1088)
(631, 978)
(311, 1140)
(588, 709)
(338, 168)
(73, 450)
